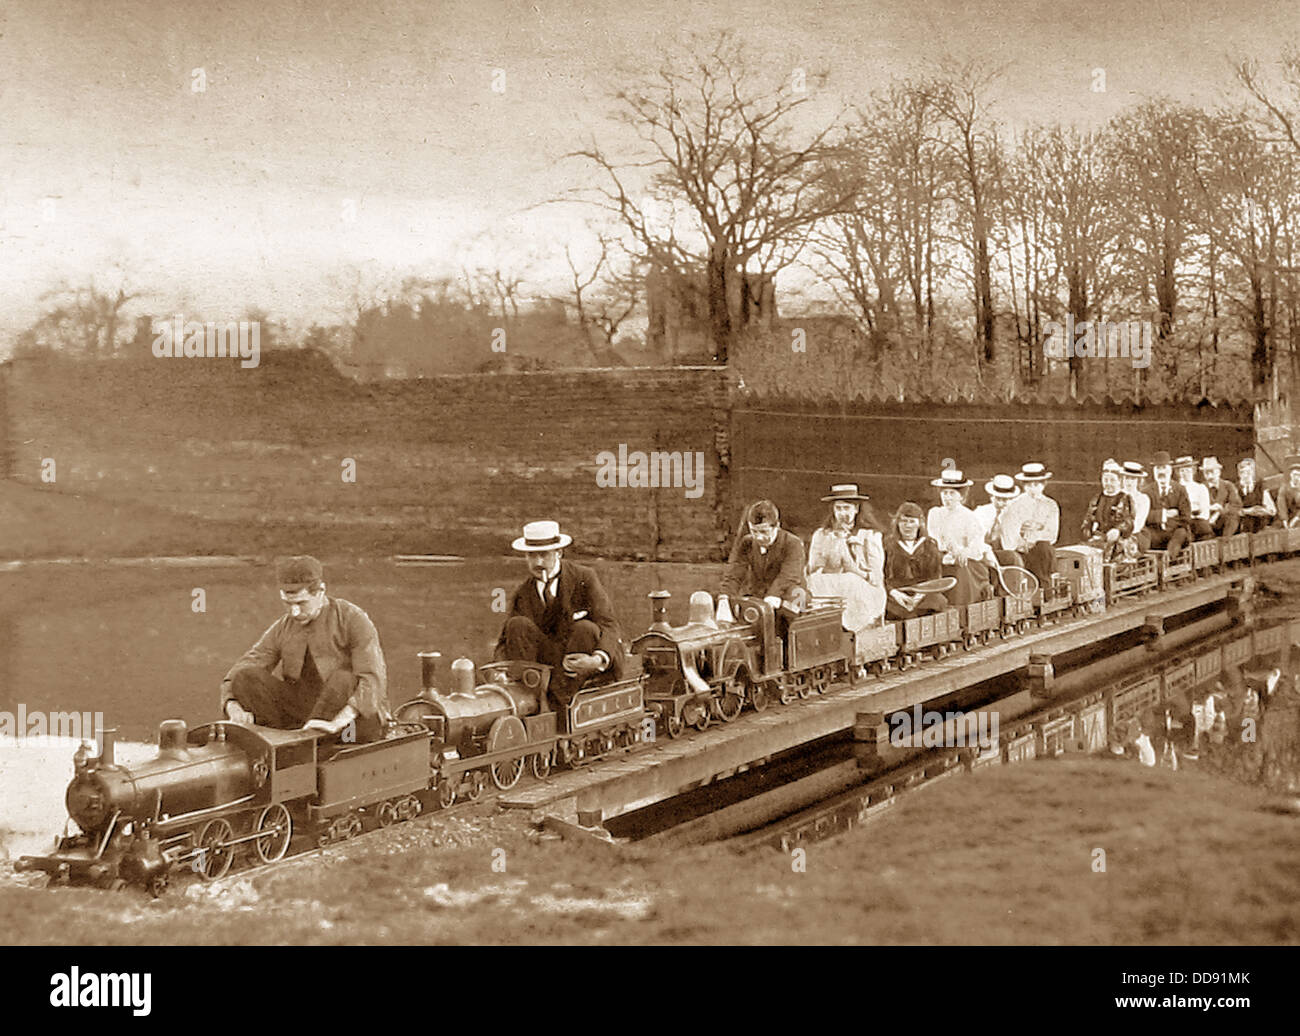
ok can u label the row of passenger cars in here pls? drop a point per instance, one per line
(224, 788)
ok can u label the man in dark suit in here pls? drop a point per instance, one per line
(560, 616)
(766, 561)
(1170, 516)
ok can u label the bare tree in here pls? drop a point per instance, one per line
(83, 319)
(960, 95)
(720, 148)
(603, 295)
(1278, 104)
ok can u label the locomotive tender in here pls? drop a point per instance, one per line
(226, 787)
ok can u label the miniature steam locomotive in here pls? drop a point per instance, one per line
(226, 787)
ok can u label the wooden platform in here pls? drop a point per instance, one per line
(643, 776)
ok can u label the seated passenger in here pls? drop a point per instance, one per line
(1109, 521)
(847, 561)
(1288, 498)
(332, 673)
(911, 558)
(1133, 475)
(1002, 490)
(560, 616)
(960, 538)
(1170, 512)
(1198, 496)
(766, 561)
(1258, 511)
(1225, 501)
(1032, 523)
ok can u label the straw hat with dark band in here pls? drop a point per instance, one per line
(848, 491)
(539, 536)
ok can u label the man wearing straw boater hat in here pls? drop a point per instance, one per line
(560, 615)
(333, 677)
(1225, 501)
(1032, 523)
(1002, 489)
(1171, 511)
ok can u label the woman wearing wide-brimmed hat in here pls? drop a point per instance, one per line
(1132, 475)
(953, 526)
(846, 558)
(1032, 523)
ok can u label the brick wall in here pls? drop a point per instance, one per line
(792, 451)
(447, 464)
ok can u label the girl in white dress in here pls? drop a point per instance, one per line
(847, 561)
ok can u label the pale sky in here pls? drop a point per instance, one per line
(319, 110)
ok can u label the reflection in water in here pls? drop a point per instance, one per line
(1244, 724)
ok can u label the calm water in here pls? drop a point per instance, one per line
(127, 642)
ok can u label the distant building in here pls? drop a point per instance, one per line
(677, 305)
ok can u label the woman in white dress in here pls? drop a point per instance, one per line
(847, 560)
(954, 527)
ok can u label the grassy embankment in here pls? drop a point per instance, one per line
(1003, 856)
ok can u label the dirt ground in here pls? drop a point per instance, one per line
(1077, 851)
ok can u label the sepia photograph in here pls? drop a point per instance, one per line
(580, 473)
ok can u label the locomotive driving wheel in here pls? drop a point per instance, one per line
(730, 701)
(541, 764)
(506, 774)
(215, 855)
(275, 827)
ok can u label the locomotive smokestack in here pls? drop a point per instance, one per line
(430, 663)
(659, 609)
(107, 739)
(462, 676)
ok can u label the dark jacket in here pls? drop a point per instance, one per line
(578, 596)
(753, 573)
(904, 569)
(1109, 512)
(1175, 498)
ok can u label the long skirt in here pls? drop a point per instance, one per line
(972, 583)
(864, 604)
